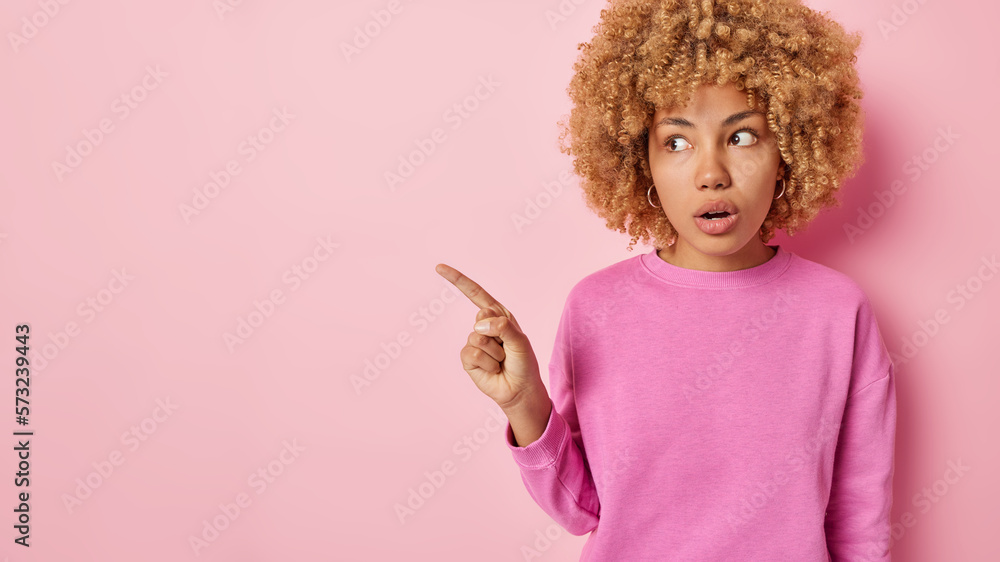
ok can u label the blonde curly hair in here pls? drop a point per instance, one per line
(647, 54)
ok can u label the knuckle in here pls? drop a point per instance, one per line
(475, 290)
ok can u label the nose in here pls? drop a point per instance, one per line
(712, 171)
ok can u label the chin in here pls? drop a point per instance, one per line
(723, 244)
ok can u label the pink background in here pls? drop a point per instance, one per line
(337, 461)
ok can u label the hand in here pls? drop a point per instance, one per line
(499, 358)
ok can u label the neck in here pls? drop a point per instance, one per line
(687, 256)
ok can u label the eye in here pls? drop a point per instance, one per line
(752, 135)
(749, 134)
(669, 143)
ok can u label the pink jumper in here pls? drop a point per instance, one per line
(718, 416)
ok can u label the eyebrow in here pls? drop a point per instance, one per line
(732, 119)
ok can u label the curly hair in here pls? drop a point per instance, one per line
(655, 53)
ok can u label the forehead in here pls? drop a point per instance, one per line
(711, 102)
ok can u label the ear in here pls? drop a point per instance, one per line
(784, 171)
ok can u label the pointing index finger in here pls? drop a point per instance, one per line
(470, 288)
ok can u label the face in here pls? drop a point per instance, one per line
(716, 149)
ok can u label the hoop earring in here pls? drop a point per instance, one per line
(782, 189)
(648, 193)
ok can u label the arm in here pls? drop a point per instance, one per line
(857, 519)
(528, 418)
(553, 465)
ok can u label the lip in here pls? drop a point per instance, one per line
(717, 206)
(717, 226)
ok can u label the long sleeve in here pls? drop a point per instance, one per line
(717, 416)
(554, 468)
(857, 520)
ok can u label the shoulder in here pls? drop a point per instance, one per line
(826, 285)
(839, 298)
(606, 281)
(850, 317)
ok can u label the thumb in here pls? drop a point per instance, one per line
(506, 330)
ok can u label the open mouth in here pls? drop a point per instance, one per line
(715, 216)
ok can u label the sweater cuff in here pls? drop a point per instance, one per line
(545, 450)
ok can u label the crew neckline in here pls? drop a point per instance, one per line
(749, 277)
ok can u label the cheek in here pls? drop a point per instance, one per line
(677, 208)
(755, 168)
(757, 173)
